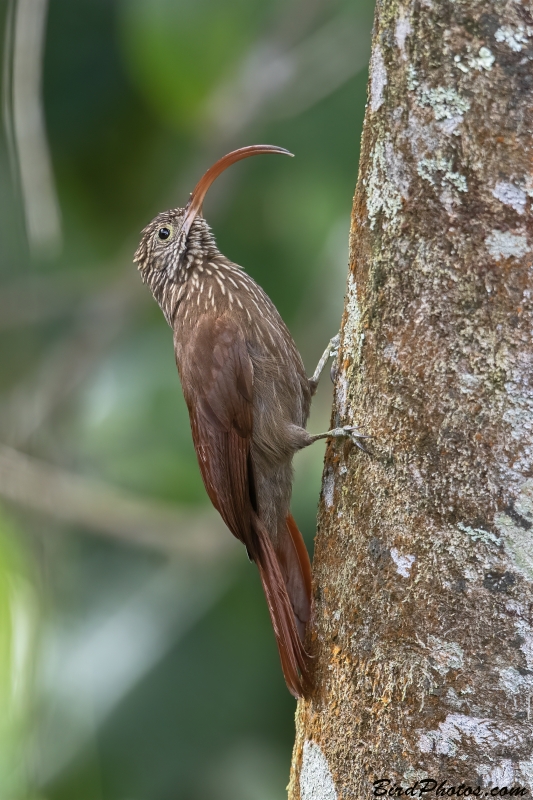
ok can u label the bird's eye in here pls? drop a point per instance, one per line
(164, 233)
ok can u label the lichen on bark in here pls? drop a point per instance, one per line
(423, 574)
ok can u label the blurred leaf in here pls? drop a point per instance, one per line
(177, 49)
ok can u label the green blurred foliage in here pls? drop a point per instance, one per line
(176, 52)
(153, 679)
(17, 629)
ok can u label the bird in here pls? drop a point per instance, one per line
(248, 398)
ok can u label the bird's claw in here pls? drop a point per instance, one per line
(351, 431)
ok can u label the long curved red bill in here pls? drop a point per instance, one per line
(200, 190)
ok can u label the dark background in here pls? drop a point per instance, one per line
(127, 671)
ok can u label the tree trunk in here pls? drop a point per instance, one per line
(423, 626)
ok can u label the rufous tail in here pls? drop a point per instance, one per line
(296, 569)
(292, 653)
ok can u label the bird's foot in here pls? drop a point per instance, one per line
(346, 432)
(351, 432)
(331, 351)
(334, 345)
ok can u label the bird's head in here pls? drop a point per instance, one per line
(174, 239)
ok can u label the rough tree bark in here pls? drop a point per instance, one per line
(423, 631)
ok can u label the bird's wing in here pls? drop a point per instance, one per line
(217, 380)
(218, 387)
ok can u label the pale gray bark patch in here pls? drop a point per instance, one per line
(445, 655)
(478, 534)
(504, 244)
(483, 60)
(511, 195)
(328, 488)
(526, 770)
(445, 102)
(387, 183)
(502, 774)
(378, 79)
(459, 731)
(402, 31)
(514, 37)
(513, 682)
(439, 172)
(515, 526)
(316, 782)
(403, 562)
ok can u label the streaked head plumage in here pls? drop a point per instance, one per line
(177, 239)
